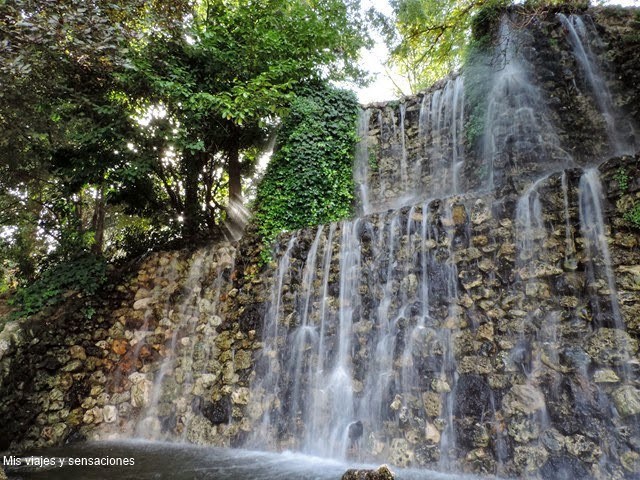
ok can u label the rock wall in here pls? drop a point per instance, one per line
(151, 362)
(536, 379)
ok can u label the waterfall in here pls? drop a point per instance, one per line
(361, 169)
(518, 134)
(579, 38)
(182, 376)
(600, 275)
(404, 176)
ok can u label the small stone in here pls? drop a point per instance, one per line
(382, 473)
(400, 453)
(485, 331)
(553, 440)
(240, 396)
(110, 413)
(579, 446)
(143, 303)
(605, 375)
(528, 459)
(242, 360)
(630, 461)
(431, 433)
(397, 403)
(475, 364)
(77, 352)
(119, 346)
(72, 366)
(93, 416)
(432, 404)
(627, 400)
(440, 385)
(610, 346)
(480, 436)
(524, 399)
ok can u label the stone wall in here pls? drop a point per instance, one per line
(65, 377)
(540, 379)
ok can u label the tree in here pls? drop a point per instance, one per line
(61, 134)
(428, 38)
(227, 77)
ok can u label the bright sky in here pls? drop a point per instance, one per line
(386, 84)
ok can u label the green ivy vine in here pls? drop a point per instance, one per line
(309, 178)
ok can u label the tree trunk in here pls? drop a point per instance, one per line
(97, 223)
(234, 171)
(191, 204)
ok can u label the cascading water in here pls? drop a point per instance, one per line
(392, 341)
(600, 276)
(519, 138)
(432, 171)
(619, 132)
(183, 376)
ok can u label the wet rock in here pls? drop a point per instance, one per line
(605, 375)
(524, 399)
(3, 476)
(440, 385)
(528, 459)
(382, 473)
(432, 434)
(523, 429)
(480, 213)
(94, 415)
(480, 436)
(476, 393)
(218, 412)
(432, 404)
(77, 352)
(110, 413)
(400, 453)
(610, 346)
(242, 360)
(73, 366)
(630, 461)
(240, 396)
(475, 364)
(579, 446)
(564, 467)
(143, 303)
(140, 390)
(627, 400)
(480, 460)
(553, 440)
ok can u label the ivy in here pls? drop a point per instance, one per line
(309, 179)
(633, 215)
(82, 275)
(622, 177)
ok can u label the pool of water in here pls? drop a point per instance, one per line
(152, 461)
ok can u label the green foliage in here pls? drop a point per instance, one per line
(309, 179)
(633, 215)
(210, 79)
(82, 275)
(428, 38)
(622, 177)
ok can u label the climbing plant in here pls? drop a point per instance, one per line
(309, 179)
(82, 275)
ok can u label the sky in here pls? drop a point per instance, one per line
(385, 84)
